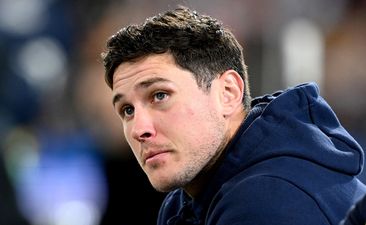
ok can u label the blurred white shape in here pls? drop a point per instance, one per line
(43, 63)
(63, 190)
(22, 16)
(302, 51)
(76, 213)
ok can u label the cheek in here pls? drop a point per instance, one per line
(127, 134)
(177, 124)
(187, 122)
(184, 115)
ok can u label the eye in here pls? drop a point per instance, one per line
(127, 111)
(159, 96)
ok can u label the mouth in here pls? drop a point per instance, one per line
(151, 156)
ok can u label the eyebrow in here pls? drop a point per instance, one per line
(116, 98)
(143, 84)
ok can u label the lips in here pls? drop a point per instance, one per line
(150, 154)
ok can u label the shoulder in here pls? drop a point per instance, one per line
(265, 199)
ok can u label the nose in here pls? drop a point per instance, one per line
(142, 126)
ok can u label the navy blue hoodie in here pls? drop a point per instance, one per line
(291, 162)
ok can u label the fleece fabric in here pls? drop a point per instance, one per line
(291, 162)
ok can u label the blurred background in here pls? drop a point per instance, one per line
(63, 159)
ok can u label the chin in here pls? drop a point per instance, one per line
(164, 186)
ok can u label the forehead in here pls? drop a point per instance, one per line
(152, 63)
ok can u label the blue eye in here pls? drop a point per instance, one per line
(128, 111)
(160, 96)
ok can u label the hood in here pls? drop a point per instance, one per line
(296, 122)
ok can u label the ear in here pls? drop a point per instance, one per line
(232, 91)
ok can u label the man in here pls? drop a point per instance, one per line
(180, 88)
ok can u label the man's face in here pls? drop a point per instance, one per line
(174, 128)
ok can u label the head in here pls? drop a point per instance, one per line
(180, 88)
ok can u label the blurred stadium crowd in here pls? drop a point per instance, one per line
(63, 159)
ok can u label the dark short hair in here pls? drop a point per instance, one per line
(198, 43)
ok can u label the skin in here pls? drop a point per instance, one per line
(175, 129)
